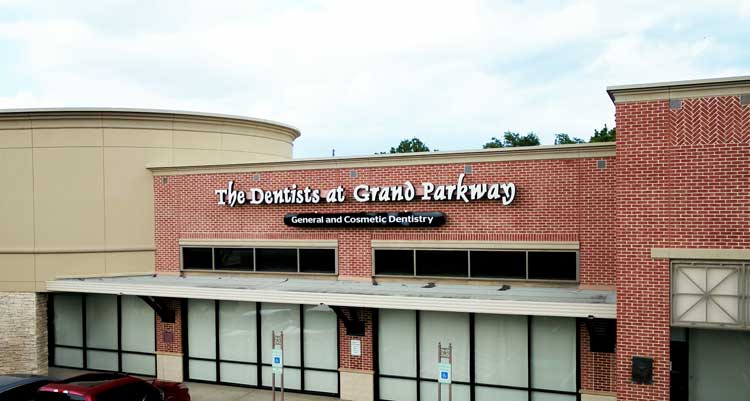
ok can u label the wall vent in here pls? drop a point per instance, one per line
(601, 164)
(675, 104)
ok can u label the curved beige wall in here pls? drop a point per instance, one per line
(76, 197)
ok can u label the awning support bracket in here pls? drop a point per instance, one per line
(354, 326)
(165, 313)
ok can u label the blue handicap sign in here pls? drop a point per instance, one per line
(277, 360)
(443, 375)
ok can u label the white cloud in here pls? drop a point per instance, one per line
(359, 76)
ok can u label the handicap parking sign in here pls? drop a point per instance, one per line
(444, 373)
(277, 361)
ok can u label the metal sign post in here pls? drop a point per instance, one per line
(445, 375)
(277, 362)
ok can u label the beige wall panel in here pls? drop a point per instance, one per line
(16, 199)
(18, 286)
(136, 123)
(15, 123)
(15, 138)
(69, 189)
(241, 157)
(63, 122)
(128, 194)
(196, 140)
(195, 156)
(67, 137)
(17, 267)
(246, 143)
(51, 265)
(133, 137)
(129, 262)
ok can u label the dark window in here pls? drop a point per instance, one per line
(317, 260)
(196, 258)
(394, 261)
(443, 263)
(552, 265)
(233, 259)
(276, 260)
(498, 264)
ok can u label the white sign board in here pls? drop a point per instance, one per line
(444, 373)
(356, 348)
(277, 361)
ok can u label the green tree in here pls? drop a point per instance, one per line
(409, 146)
(494, 143)
(512, 139)
(565, 139)
(604, 135)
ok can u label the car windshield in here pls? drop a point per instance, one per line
(50, 396)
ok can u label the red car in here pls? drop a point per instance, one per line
(112, 387)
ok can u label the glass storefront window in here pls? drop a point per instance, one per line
(245, 327)
(85, 333)
(503, 350)
(553, 362)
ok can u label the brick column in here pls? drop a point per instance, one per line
(356, 372)
(169, 354)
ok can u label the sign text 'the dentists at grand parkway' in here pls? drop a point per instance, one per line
(504, 192)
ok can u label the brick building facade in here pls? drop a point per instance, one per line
(651, 233)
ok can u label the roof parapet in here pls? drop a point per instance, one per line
(726, 86)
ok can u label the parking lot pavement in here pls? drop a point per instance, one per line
(212, 392)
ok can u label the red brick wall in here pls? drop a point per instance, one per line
(597, 368)
(556, 200)
(162, 329)
(365, 361)
(683, 181)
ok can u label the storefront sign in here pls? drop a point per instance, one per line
(406, 192)
(365, 219)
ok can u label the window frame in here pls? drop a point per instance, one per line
(213, 268)
(472, 383)
(468, 256)
(258, 364)
(84, 347)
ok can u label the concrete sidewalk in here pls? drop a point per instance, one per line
(212, 392)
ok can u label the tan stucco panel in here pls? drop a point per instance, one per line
(16, 199)
(196, 140)
(77, 197)
(56, 137)
(69, 204)
(129, 262)
(243, 143)
(52, 265)
(17, 267)
(133, 137)
(128, 196)
(21, 286)
(15, 138)
(196, 156)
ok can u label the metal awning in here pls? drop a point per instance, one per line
(541, 301)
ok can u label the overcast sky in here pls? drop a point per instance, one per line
(361, 76)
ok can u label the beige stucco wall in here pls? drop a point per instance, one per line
(77, 198)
